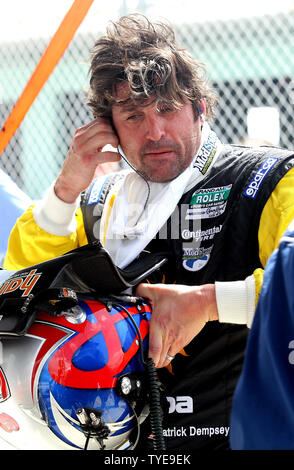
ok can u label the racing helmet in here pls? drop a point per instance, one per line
(82, 373)
(73, 375)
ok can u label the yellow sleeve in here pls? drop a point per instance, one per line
(29, 244)
(276, 216)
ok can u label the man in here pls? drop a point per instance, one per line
(217, 210)
(263, 410)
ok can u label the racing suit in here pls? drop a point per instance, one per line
(245, 202)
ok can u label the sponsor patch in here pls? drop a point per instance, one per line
(196, 259)
(201, 235)
(254, 185)
(207, 152)
(96, 191)
(208, 203)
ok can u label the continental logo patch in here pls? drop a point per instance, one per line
(254, 185)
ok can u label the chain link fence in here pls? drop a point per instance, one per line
(250, 62)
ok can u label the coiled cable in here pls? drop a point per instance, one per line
(155, 406)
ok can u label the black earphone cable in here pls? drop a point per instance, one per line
(155, 406)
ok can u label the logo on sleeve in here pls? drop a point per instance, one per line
(254, 185)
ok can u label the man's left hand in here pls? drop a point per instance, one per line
(179, 314)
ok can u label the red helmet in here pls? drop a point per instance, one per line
(82, 373)
(75, 375)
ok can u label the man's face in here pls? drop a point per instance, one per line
(159, 144)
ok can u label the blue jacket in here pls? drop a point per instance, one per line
(13, 202)
(263, 405)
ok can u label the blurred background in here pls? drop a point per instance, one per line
(248, 48)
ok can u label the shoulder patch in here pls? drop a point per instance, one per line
(254, 185)
(96, 191)
(100, 187)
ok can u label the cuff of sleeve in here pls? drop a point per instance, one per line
(54, 215)
(236, 301)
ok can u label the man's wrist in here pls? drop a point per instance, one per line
(209, 301)
(64, 191)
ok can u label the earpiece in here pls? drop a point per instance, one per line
(200, 110)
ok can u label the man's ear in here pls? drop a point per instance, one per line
(202, 108)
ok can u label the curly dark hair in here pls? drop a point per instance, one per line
(145, 55)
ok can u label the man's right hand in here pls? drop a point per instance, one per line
(84, 155)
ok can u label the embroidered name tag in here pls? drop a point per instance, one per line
(254, 185)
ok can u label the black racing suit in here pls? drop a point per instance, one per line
(217, 240)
